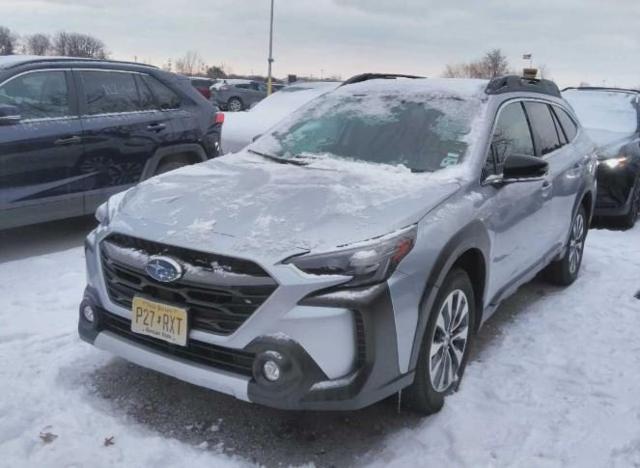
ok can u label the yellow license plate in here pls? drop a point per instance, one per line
(159, 320)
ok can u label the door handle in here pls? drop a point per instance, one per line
(547, 185)
(156, 127)
(67, 141)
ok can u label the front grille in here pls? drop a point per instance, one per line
(232, 360)
(222, 294)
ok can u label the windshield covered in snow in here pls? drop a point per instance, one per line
(606, 110)
(424, 131)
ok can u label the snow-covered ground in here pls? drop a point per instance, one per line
(554, 381)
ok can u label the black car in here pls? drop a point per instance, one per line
(611, 117)
(74, 131)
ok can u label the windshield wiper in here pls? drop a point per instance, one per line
(278, 159)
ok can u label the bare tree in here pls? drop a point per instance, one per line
(79, 45)
(37, 44)
(189, 63)
(8, 41)
(493, 64)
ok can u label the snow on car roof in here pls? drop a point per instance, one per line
(464, 88)
(10, 60)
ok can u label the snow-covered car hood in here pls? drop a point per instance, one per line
(609, 142)
(248, 206)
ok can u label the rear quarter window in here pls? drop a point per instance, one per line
(569, 126)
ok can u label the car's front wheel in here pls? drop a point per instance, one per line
(445, 345)
(563, 272)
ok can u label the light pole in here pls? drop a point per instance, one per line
(270, 78)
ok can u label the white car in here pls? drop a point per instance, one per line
(240, 128)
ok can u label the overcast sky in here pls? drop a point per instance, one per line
(596, 41)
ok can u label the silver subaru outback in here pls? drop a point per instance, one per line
(351, 252)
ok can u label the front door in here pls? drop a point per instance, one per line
(516, 214)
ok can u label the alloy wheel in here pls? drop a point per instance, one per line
(576, 243)
(449, 341)
(235, 105)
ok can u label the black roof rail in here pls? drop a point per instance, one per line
(45, 59)
(603, 88)
(376, 76)
(515, 83)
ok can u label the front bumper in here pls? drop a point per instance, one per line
(339, 348)
(614, 190)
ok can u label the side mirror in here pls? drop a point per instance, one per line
(519, 168)
(9, 115)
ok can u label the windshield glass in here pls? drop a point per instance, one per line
(606, 110)
(422, 131)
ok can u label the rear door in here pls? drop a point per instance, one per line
(565, 168)
(122, 129)
(38, 153)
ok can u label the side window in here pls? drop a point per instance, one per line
(243, 86)
(165, 97)
(147, 101)
(38, 95)
(110, 92)
(569, 126)
(544, 130)
(511, 136)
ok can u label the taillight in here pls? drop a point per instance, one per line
(219, 118)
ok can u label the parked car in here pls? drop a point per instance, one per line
(351, 252)
(73, 132)
(241, 128)
(239, 96)
(611, 117)
(202, 84)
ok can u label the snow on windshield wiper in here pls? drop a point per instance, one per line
(278, 159)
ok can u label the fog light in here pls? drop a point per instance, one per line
(271, 370)
(87, 312)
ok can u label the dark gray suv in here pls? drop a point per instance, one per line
(75, 131)
(351, 252)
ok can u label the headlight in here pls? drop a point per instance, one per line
(102, 213)
(614, 163)
(106, 211)
(366, 262)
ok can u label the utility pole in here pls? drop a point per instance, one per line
(270, 77)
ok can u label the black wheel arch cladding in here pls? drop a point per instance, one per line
(473, 237)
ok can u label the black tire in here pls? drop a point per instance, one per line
(629, 220)
(564, 272)
(423, 396)
(235, 104)
(170, 165)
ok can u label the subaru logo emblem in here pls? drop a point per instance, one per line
(163, 269)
